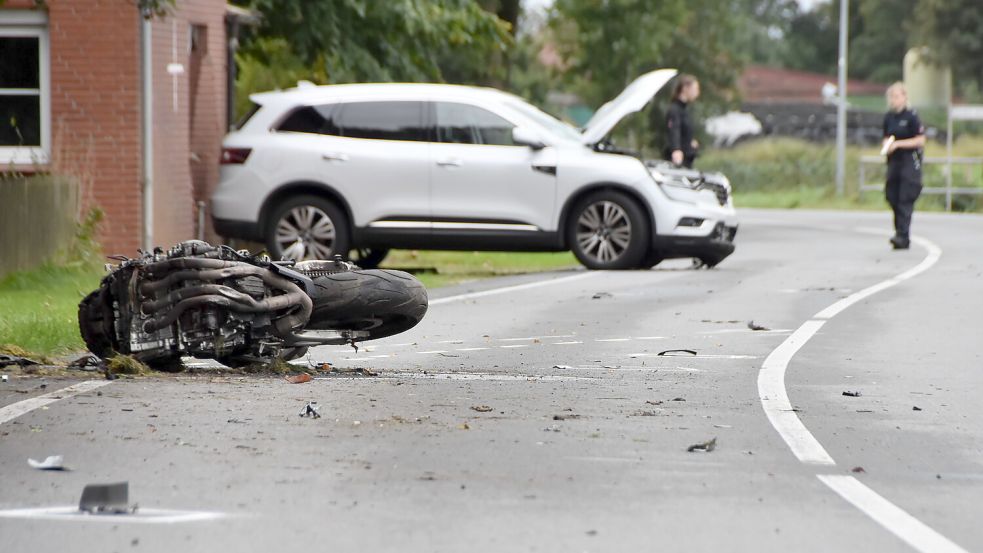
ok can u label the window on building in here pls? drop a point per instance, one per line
(382, 121)
(466, 124)
(24, 94)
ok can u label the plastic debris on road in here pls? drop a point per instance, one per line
(299, 378)
(52, 462)
(311, 410)
(602, 295)
(676, 352)
(852, 394)
(753, 326)
(481, 408)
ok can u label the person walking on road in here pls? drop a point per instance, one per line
(682, 147)
(904, 138)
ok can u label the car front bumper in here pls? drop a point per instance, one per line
(711, 248)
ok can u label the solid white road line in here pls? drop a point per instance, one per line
(143, 516)
(515, 288)
(805, 446)
(911, 530)
(774, 398)
(15, 410)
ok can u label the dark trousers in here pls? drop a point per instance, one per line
(904, 185)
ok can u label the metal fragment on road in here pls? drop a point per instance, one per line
(852, 394)
(705, 447)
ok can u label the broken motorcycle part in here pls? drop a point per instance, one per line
(108, 499)
(311, 410)
(219, 303)
(705, 447)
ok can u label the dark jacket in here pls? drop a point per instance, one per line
(679, 130)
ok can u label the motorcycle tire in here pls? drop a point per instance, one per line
(379, 301)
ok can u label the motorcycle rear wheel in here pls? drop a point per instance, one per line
(380, 301)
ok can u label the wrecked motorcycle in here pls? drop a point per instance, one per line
(215, 302)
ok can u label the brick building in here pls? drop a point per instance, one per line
(75, 76)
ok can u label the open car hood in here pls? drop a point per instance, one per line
(632, 99)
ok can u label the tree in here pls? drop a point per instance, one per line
(951, 29)
(607, 44)
(367, 40)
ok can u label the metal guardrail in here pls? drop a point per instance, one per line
(967, 163)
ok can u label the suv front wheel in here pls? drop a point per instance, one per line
(307, 227)
(608, 230)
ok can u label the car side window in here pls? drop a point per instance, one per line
(310, 119)
(466, 124)
(382, 121)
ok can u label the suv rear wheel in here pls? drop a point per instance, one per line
(307, 227)
(608, 230)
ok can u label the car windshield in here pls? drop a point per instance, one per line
(553, 124)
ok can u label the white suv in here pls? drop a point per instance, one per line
(322, 170)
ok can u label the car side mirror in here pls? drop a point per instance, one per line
(527, 137)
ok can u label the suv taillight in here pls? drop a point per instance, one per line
(235, 156)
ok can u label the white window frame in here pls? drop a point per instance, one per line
(30, 23)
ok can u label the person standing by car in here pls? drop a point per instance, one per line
(904, 138)
(682, 147)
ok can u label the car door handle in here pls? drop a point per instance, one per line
(334, 156)
(450, 162)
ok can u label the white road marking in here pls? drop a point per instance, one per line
(697, 356)
(515, 346)
(651, 338)
(143, 516)
(566, 343)
(471, 349)
(535, 338)
(515, 288)
(774, 400)
(14, 410)
(451, 342)
(488, 377)
(742, 330)
(911, 530)
(633, 368)
(431, 352)
(613, 340)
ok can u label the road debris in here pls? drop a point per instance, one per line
(52, 462)
(650, 402)
(6, 360)
(678, 399)
(4, 378)
(565, 417)
(852, 394)
(753, 326)
(562, 367)
(722, 426)
(705, 447)
(350, 371)
(916, 408)
(676, 352)
(465, 426)
(481, 408)
(858, 470)
(643, 413)
(88, 363)
(602, 295)
(298, 378)
(107, 499)
(311, 410)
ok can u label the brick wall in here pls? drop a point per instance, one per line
(95, 107)
(96, 114)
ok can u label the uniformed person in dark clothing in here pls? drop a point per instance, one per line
(904, 138)
(682, 148)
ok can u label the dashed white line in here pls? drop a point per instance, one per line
(517, 287)
(15, 410)
(566, 343)
(515, 346)
(613, 340)
(431, 352)
(471, 349)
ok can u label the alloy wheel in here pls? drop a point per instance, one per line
(603, 231)
(306, 232)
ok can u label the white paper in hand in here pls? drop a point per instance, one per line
(887, 145)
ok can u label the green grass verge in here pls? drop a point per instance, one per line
(39, 308)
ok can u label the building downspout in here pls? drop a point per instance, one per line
(146, 128)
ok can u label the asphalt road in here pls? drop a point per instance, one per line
(539, 417)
